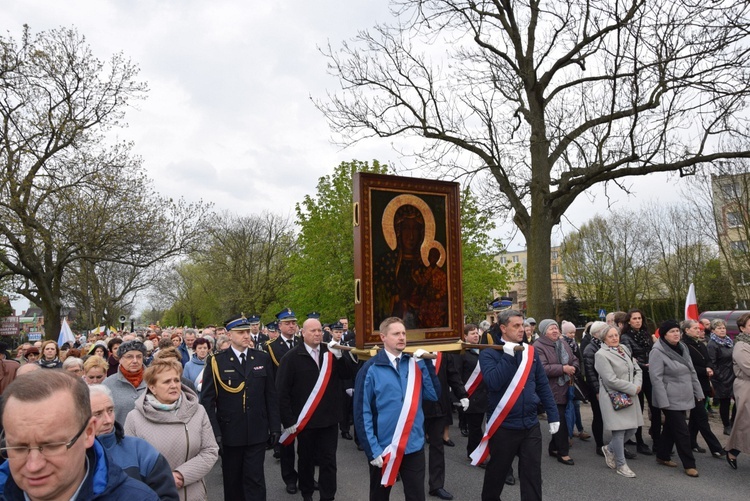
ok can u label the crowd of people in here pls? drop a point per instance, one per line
(151, 412)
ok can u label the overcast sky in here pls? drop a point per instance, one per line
(228, 117)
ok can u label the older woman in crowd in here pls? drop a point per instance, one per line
(618, 372)
(692, 336)
(596, 331)
(95, 370)
(74, 365)
(50, 355)
(560, 365)
(127, 384)
(636, 337)
(169, 417)
(720, 353)
(201, 348)
(739, 439)
(676, 389)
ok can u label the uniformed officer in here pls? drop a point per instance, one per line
(259, 339)
(241, 401)
(287, 326)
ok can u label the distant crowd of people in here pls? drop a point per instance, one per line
(147, 415)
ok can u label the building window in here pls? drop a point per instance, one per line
(738, 246)
(503, 260)
(554, 270)
(554, 254)
(734, 220)
(730, 189)
(515, 259)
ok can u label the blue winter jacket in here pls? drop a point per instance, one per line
(182, 349)
(498, 369)
(141, 461)
(105, 481)
(193, 368)
(379, 397)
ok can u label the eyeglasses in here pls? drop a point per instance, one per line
(46, 450)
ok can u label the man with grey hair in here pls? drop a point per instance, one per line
(50, 445)
(137, 458)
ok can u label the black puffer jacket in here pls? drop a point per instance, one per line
(592, 377)
(639, 343)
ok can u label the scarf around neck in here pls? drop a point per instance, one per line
(49, 364)
(159, 406)
(742, 337)
(723, 341)
(134, 378)
(562, 354)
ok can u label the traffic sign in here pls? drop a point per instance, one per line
(602, 313)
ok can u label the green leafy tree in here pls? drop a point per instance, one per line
(322, 269)
(712, 288)
(69, 194)
(482, 273)
(570, 308)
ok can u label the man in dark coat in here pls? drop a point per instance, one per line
(240, 398)
(317, 438)
(287, 339)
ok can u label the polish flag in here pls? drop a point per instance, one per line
(691, 305)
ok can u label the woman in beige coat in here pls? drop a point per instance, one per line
(739, 439)
(169, 417)
(618, 372)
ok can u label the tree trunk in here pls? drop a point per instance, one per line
(52, 320)
(538, 273)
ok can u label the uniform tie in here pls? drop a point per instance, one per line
(290, 343)
(315, 357)
(242, 360)
(395, 362)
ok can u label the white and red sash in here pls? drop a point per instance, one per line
(313, 399)
(505, 405)
(394, 453)
(474, 380)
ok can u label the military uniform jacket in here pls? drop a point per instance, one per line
(295, 380)
(243, 417)
(277, 349)
(260, 344)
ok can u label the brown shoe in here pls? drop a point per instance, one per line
(584, 436)
(667, 462)
(691, 472)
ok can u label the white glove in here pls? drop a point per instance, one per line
(419, 354)
(554, 427)
(377, 462)
(332, 348)
(464, 403)
(291, 430)
(350, 391)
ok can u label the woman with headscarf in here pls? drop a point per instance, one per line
(618, 372)
(739, 439)
(639, 341)
(676, 389)
(692, 336)
(560, 365)
(720, 353)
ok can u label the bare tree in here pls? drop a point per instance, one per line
(67, 194)
(547, 99)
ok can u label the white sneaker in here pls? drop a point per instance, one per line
(609, 457)
(625, 471)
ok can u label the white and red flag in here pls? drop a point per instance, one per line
(691, 305)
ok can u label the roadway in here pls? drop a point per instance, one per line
(588, 480)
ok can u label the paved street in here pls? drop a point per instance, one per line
(588, 480)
